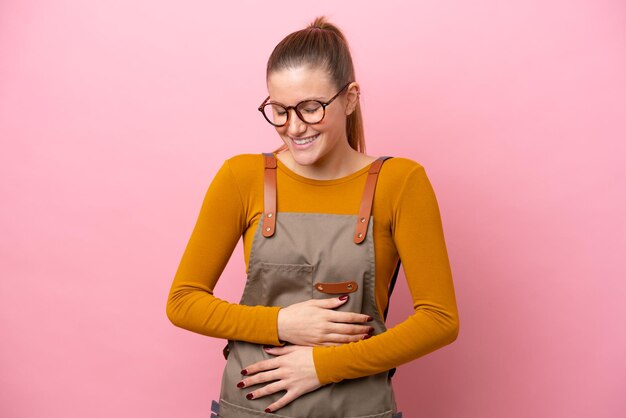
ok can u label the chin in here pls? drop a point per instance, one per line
(307, 156)
(304, 158)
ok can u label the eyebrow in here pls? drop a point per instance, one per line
(320, 99)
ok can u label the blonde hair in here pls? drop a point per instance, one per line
(321, 45)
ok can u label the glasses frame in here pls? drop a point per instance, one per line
(295, 108)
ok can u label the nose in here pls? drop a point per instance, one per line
(295, 126)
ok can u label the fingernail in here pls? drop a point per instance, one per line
(371, 330)
(244, 372)
(370, 319)
(344, 297)
(240, 384)
(365, 337)
(267, 410)
(267, 347)
(249, 396)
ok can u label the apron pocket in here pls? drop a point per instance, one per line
(286, 284)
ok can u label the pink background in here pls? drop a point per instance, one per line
(114, 116)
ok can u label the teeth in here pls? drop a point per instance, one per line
(305, 140)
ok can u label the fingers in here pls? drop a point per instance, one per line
(279, 351)
(349, 329)
(329, 303)
(258, 378)
(338, 333)
(260, 366)
(295, 375)
(338, 316)
(267, 390)
(286, 399)
(337, 339)
(348, 317)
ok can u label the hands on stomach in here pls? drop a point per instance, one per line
(292, 369)
(314, 322)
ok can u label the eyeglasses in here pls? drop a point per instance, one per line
(309, 111)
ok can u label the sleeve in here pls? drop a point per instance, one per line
(418, 235)
(191, 304)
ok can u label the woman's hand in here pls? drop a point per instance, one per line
(314, 322)
(292, 370)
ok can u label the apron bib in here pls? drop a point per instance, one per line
(297, 257)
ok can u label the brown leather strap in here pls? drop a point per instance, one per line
(337, 288)
(365, 210)
(269, 195)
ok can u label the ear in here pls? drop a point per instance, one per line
(352, 96)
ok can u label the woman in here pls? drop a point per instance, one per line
(324, 227)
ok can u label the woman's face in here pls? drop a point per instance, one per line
(311, 144)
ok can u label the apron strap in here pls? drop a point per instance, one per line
(366, 201)
(269, 195)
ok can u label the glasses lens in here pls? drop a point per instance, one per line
(312, 111)
(276, 114)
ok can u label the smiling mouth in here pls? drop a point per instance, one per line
(303, 141)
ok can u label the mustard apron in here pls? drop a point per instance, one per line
(297, 257)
